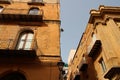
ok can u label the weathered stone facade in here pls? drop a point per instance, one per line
(97, 55)
(15, 20)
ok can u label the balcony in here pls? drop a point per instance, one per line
(83, 64)
(112, 72)
(5, 1)
(36, 2)
(77, 77)
(94, 47)
(113, 67)
(6, 50)
(20, 15)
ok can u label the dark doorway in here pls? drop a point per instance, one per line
(13, 76)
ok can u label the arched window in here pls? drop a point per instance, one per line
(13, 76)
(25, 40)
(34, 11)
(1, 8)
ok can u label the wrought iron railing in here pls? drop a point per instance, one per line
(37, 0)
(93, 47)
(83, 64)
(10, 15)
(113, 67)
(8, 50)
(5, 1)
(10, 44)
(19, 11)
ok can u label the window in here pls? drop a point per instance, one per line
(102, 63)
(1, 8)
(34, 11)
(36, 0)
(25, 40)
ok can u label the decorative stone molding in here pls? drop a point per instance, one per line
(101, 13)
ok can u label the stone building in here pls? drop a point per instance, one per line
(98, 54)
(29, 39)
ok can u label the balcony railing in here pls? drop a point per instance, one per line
(83, 64)
(113, 69)
(93, 48)
(5, 1)
(112, 72)
(36, 2)
(20, 15)
(77, 77)
(7, 50)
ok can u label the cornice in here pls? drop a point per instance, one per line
(102, 11)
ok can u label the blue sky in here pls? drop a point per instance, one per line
(74, 18)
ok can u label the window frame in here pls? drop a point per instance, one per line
(102, 65)
(1, 9)
(22, 43)
(34, 11)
